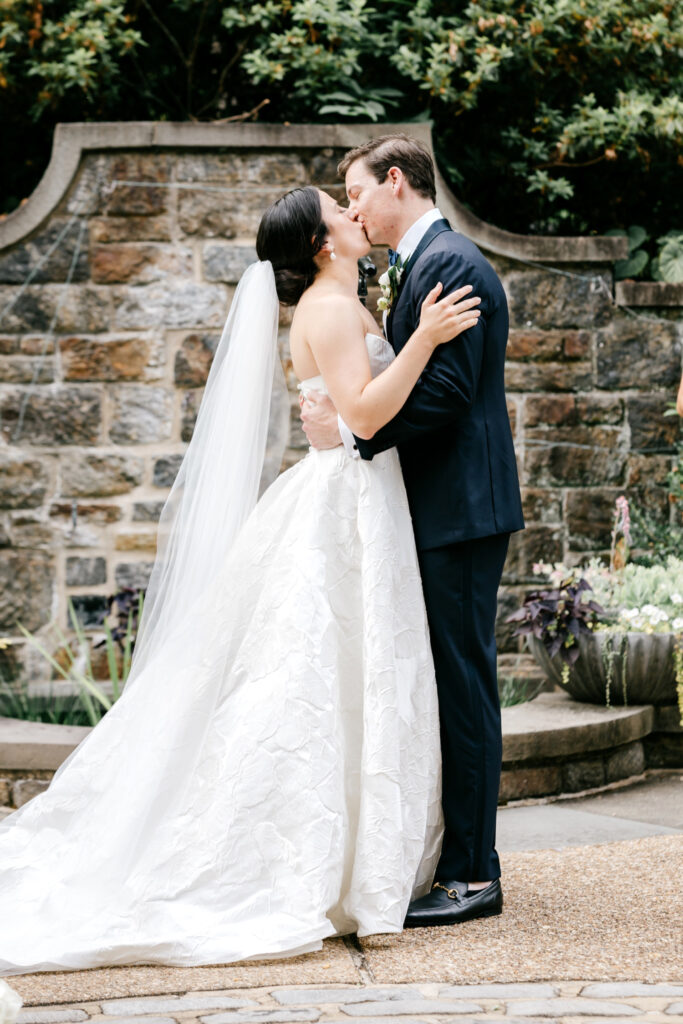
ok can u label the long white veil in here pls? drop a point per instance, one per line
(217, 485)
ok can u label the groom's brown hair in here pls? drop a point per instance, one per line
(398, 150)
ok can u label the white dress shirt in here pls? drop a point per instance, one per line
(406, 246)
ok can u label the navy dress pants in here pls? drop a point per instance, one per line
(460, 584)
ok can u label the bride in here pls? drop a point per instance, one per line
(270, 775)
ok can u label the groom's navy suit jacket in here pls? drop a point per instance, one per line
(453, 433)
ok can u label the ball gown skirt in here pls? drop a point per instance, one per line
(272, 776)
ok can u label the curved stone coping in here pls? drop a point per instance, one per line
(648, 293)
(36, 746)
(72, 140)
(553, 726)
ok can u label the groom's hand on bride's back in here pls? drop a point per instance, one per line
(319, 421)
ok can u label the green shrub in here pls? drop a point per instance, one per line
(549, 115)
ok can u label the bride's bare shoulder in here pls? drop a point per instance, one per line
(321, 311)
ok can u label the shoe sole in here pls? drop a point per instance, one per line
(457, 920)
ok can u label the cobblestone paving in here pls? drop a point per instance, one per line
(568, 1002)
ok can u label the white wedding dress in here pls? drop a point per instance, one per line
(297, 796)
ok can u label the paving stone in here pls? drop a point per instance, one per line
(580, 1007)
(624, 989)
(499, 991)
(460, 1020)
(403, 1006)
(173, 1004)
(50, 1016)
(253, 1016)
(343, 995)
(415, 1020)
(140, 1020)
(676, 1008)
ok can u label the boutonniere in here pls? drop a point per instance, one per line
(389, 283)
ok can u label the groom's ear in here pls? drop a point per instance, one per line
(396, 179)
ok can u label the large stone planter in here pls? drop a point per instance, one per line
(642, 668)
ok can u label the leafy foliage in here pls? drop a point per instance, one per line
(549, 115)
(667, 265)
(55, 708)
(558, 617)
(92, 702)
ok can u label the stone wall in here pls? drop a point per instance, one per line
(105, 351)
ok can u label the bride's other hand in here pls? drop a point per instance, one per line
(319, 421)
(441, 320)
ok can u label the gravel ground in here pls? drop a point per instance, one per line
(610, 912)
(606, 913)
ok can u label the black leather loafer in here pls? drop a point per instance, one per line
(448, 903)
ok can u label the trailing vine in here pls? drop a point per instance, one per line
(678, 668)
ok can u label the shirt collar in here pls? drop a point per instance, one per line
(413, 235)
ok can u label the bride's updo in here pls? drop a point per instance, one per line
(290, 234)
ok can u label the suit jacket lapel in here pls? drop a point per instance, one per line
(430, 234)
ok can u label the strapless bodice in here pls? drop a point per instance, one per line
(380, 352)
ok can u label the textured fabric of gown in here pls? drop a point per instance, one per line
(282, 787)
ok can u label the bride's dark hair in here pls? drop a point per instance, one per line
(291, 233)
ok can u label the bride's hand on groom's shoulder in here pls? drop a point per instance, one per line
(319, 421)
(441, 320)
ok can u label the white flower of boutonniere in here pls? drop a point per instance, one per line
(389, 282)
(10, 1003)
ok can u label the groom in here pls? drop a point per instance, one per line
(455, 445)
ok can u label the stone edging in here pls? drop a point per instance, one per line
(36, 746)
(648, 293)
(555, 726)
(72, 140)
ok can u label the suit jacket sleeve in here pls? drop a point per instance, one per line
(448, 385)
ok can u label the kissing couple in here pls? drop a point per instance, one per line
(308, 743)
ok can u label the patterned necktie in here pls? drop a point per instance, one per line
(393, 257)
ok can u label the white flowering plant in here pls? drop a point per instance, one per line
(10, 1003)
(639, 598)
(632, 598)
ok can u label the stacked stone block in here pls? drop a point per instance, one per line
(96, 413)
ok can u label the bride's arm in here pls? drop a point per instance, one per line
(337, 342)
